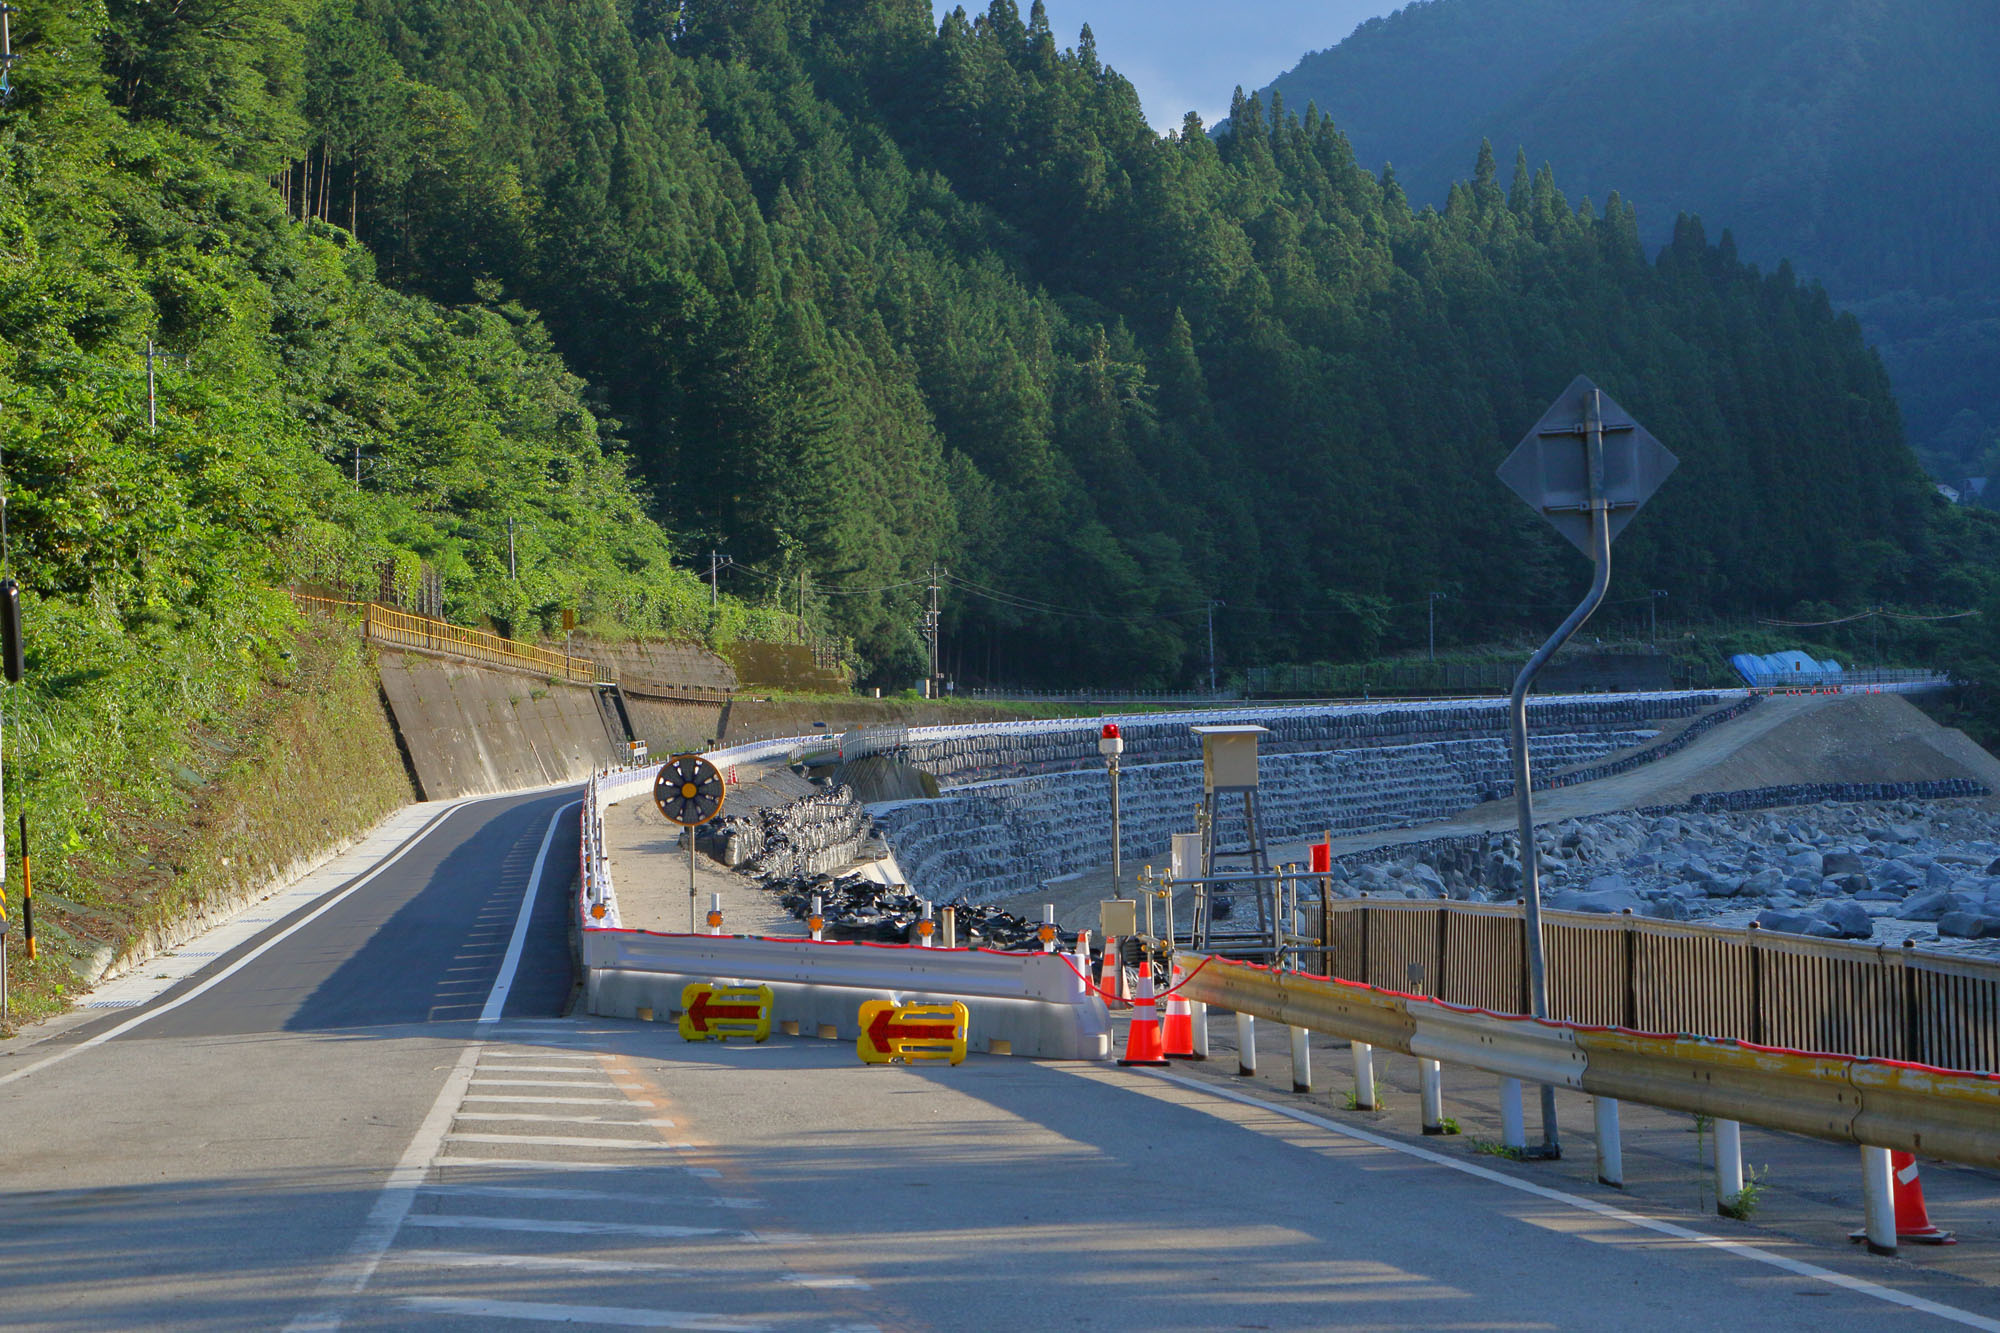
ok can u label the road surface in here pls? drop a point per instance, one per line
(315, 1129)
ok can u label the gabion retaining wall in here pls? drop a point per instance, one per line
(957, 756)
(1007, 836)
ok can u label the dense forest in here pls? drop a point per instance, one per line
(866, 295)
(1858, 138)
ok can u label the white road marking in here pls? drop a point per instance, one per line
(617, 1316)
(589, 1196)
(535, 1055)
(549, 1101)
(531, 1069)
(570, 1141)
(392, 1205)
(496, 999)
(335, 898)
(1797, 1267)
(544, 1226)
(478, 1082)
(548, 1263)
(819, 1283)
(559, 1119)
(543, 1164)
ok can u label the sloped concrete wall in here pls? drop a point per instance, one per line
(469, 731)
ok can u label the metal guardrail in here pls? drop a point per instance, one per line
(424, 634)
(1948, 1114)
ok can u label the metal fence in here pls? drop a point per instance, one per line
(1758, 986)
(402, 629)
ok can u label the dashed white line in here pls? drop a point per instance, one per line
(546, 1226)
(570, 1141)
(515, 1100)
(554, 1194)
(571, 1119)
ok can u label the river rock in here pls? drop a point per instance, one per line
(1608, 903)
(1850, 919)
(1896, 875)
(1841, 863)
(1938, 876)
(1932, 904)
(1796, 923)
(1968, 926)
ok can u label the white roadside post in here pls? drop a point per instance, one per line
(1246, 1044)
(714, 912)
(1198, 1017)
(1302, 1067)
(1431, 1074)
(817, 921)
(1728, 1163)
(1610, 1148)
(1364, 1076)
(1513, 1126)
(1878, 1200)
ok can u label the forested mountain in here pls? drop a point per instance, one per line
(136, 206)
(866, 294)
(1858, 138)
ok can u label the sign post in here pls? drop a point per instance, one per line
(1111, 744)
(689, 791)
(1586, 467)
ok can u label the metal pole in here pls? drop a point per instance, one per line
(1117, 839)
(1212, 604)
(693, 927)
(149, 385)
(1524, 795)
(510, 546)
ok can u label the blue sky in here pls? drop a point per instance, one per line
(1187, 55)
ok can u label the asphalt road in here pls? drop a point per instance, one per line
(328, 1136)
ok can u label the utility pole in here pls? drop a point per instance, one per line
(510, 548)
(1212, 604)
(715, 563)
(1435, 598)
(357, 465)
(149, 387)
(931, 636)
(7, 56)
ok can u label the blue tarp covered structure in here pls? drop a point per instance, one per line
(1790, 667)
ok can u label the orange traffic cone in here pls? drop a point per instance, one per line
(1111, 973)
(1177, 1030)
(1142, 1039)
(1913, 1220)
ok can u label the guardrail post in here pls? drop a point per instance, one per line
(1878, 1200)
(1198, 1017)
(1246, 1044)
(1513, 1125)
(1302, 1068)
(1364, 1076)
(1610, 1148)
(817, 920)
(1431, 1075)
(1728, 1162)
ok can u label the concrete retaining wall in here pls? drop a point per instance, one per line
(469, 731)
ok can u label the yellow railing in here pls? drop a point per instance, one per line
(401, 629)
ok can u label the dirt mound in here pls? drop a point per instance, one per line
(1844, 738)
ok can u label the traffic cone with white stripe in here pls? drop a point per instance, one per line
(1177, 1029)
(1142, 1039)
(1111, 973)
(1913, 1220)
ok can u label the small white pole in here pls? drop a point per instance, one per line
(1080, 960)
(1364, 1076)
(1728, 1162)
(1049, 920)
(1431, 1074)
(715, 913)
(1198, 1015)
(818, 916)
(1878, 1200)
(1302, 1060)
(924, 931)
(1610, 1147)
(1246, 1044)
(1513, 1127)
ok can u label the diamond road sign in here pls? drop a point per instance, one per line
(1550, 467)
